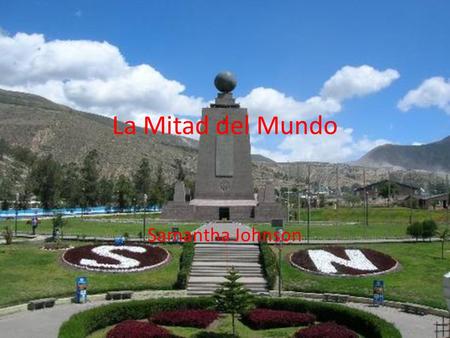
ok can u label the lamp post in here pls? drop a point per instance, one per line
(280, 233)
(145, 209)
(16, 205)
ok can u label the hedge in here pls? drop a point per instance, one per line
(186, 259)
(269, 264)
(84, 323)
(370, 326)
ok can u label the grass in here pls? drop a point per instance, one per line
(419, 279)
(327, 223)
(101, 227)
(27, 272)
(222, 325)
(394, 215)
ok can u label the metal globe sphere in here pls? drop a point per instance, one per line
(225, 82)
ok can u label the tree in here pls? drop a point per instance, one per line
(124, 192)
(44, 181)
(388, 189)
(232, 297)
(415, 230)
(90, 175)
(429, 228)
(142, 179)
(7, 234)
(6, 194)
(159, 194)
(105, 191)
(58, 223)
(71, 185)
(443, 235)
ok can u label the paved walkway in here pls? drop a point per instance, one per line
(410, 326)
(46, 323)
(40, 323)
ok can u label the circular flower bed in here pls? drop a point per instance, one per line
(261, 319)
(111, 258)
(136, 329)
(191, 318)
(326, 330)
(341, 261)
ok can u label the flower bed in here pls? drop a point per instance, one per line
(110, 258)
(341, 261)
(86, 322)
(136, 329)
(259, 319)
(192, 318)
(326, 330)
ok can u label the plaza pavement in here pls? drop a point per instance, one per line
(46, 323)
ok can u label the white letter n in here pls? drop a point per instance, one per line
(323, 261)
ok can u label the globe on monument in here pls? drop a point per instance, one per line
(225, 82)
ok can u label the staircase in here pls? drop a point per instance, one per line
(212, 262)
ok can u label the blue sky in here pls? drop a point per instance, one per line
(292, 47)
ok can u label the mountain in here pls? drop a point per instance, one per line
(432, 156)
(45, 127)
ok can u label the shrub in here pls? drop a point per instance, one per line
(415, 230)
(7, 235)
(260, 319)
(366, 324)
(326, 330)
(186, 258)
(429, 228)
(82, 324)
(135, 329)
(191, 318)
(268, 261)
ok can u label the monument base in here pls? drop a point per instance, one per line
(266, 212)
(177, 210)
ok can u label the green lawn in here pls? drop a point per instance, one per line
(108, 227)
(27, 272)
(419, 279)
(222, 325)
(383, 223)
(394, 215)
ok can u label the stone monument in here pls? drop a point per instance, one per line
(224, 184)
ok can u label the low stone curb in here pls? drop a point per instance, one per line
(137, 295)
(364, 300)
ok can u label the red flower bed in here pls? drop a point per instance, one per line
(136, 329)
(191, 318)
(259, 319)
(326, 330)
(380, 260)
(110, 260)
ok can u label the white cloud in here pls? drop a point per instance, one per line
(347, 82)
(95, 76)
(270, 102)
(89, 75)
(342, 146)
(357, 81)
(434, 91)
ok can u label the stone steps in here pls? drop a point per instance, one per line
(212, 261)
